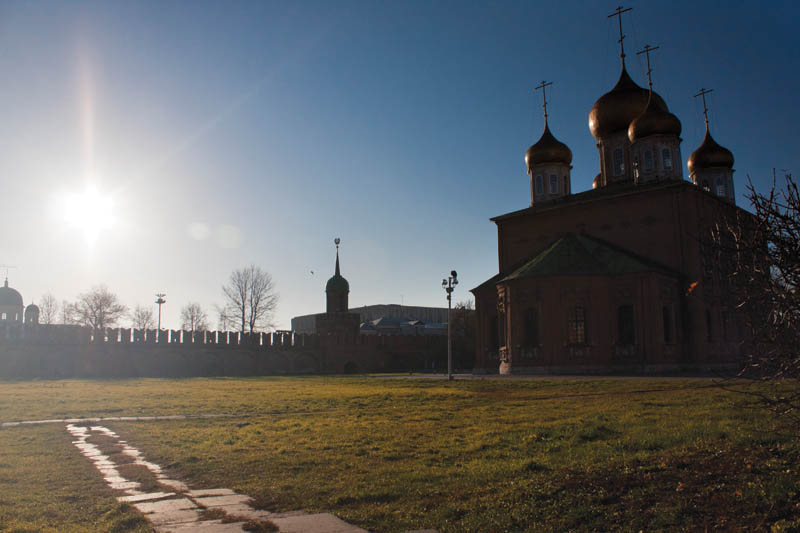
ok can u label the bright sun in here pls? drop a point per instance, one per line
(90, 213)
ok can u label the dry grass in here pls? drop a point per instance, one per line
(398, 454)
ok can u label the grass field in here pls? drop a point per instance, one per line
(397, 454)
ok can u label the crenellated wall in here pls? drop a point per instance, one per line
(57, 351)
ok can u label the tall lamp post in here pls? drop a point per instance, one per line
(448, 285)
(160, 301)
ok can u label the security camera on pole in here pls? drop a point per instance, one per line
(448, 285)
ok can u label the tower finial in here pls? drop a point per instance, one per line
(646, 51)
(618, 13)
(336, 241)
(703, 92)
(543, 86)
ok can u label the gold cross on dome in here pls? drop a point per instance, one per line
(618, 13)
(543, 86)
(703, 92)
(646, 51)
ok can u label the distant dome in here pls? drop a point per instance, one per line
(653, 121)
(709, 155)
(337, 284)
(32, 314)
(548, 149)
(615, 110)
(596, 182)
(9, 296)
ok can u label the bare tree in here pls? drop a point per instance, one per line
(224, 320)
(48, 309)
(99, 308)
(193, 317)
(251, 298)
(142, 318)
(765, 287)
(69, 313)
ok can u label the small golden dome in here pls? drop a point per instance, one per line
(547, 149)
(653, 121)
(709, 155)
(596, 182)
(615, 110)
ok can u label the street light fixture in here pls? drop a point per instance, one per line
(160, 300)
(448, 285)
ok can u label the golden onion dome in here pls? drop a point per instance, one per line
(615, 110)
(547, 149)
(653, 121)
(709, 155)
(596, 182)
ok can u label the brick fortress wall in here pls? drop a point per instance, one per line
(57, 351)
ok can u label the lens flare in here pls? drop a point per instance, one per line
(90, 213)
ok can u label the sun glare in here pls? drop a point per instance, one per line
(90, 213)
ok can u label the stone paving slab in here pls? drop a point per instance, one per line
(164, 506)
(199, 493)
(245, 511)
(173, 484)
(146, 497)
(209, 526)
(219, 501)
(315, 523)
(174, 517)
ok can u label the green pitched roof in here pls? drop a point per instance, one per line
(575, 254)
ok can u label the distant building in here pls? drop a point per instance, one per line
(431, 320)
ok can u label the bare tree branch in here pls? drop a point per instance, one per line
(48, 309)
(99, 308)
(193, 317)
(142, 318)
(251, 298)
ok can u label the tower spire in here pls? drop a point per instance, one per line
(646, 51)
(336, 241)
(618, 13)
(703, 92)
(543, 86)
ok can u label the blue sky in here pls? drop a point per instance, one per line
(230, 133)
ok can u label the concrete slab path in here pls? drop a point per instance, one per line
(180, 509)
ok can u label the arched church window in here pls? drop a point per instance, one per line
(576, 325)
(539, 184)
(625, 329)
(720, 186)
(666, 155)
(532, 327)
(619, 163)
(553, 184)
(648, 160)
(3, 316)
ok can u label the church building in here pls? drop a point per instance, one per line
(622, 277)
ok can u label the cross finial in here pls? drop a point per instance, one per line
(618, 13)
(703, 92)
(7, 267)
(646, 51)
(543, 86)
